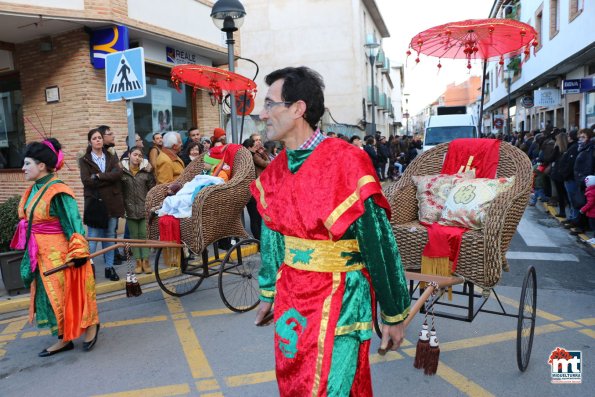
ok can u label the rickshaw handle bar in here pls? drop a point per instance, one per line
(120, 243)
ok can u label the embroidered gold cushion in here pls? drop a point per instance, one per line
(469, 200)
(432, 191)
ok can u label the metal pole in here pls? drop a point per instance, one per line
(373, 96)
(230, 59)
(483, 87)
(130, 119)
(508, 120)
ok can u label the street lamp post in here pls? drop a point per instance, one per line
(228, 16)
(508, 74)
(372, 47)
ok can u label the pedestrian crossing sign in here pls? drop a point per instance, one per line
(125, 75)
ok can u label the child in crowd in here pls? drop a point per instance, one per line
(589, 208)
(137, 180)
(538, 184)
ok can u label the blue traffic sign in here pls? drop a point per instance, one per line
(125, 75)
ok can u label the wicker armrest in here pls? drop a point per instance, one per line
(156, 196)
(403, 203)
(501, 221)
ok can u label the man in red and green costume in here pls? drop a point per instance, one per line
(327, 248)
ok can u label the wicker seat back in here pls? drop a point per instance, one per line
(483, 252)
(216, 211)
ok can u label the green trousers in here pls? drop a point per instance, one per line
(138, 230)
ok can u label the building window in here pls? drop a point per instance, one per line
(538, 27)
(574, 9)
(163, 108)
(12, 132)
(554, 18)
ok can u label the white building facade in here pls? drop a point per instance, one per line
(328, 37)
(566, 52)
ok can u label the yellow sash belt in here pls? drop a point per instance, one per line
(322, 255)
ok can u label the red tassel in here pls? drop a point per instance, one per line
(136, 291)
(433, 356)
(422, 348)
(128, 285)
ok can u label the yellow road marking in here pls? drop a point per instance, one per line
(250, 379)
(6, 338)
(376, 358)
(462, 383)
(195, 356)
(588, 332)
(214, 312)
(570, 324)
(2, 351)
(134, 321)
(172, 390)
(216, 394)
(14, 327)
(488, 339)
(10, 320)
(539, 313)
(589, 322)
(207, 385)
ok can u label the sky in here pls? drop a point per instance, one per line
(404, 20)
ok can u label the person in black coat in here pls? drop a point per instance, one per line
(564, 170)
(584, 166)
(370, 148)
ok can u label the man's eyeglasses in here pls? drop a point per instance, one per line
(268, 105)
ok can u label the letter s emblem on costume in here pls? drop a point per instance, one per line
(285, 328)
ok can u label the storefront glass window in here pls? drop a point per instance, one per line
(12, 135)
(163, 108)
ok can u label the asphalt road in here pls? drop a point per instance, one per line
(157, 345)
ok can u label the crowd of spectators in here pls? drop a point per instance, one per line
(562, 162)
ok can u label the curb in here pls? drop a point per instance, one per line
(552, 211)
(22, 302)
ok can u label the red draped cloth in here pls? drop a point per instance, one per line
(169, 229)
(482, 155)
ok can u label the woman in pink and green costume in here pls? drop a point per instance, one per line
(52, 233)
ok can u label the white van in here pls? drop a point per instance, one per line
(446, 127)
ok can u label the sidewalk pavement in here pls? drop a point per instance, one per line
(553, 210)
(18, 302)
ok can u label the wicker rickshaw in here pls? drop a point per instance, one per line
(482, 253)
(216, 214)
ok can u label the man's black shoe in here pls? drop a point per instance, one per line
(118, 259)
(110, 273)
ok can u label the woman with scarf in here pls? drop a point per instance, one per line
(52, 232)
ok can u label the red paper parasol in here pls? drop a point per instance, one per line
(212, 79)
(484, 39)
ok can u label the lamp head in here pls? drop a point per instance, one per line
(228, 15)
(372, 46)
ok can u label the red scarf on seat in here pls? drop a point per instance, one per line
(441, 252)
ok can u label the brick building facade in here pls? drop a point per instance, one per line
(33, 66)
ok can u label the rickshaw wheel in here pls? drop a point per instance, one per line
(238, 276)
(526, 322)
(184, 283)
